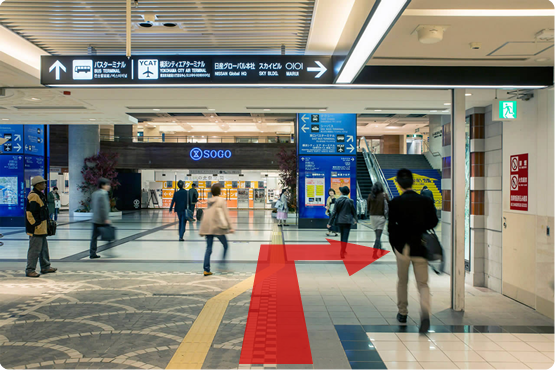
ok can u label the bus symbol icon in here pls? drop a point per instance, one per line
(83, 69)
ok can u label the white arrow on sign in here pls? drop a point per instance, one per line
(17, 148)
(320, 69)
(350, 138)
(17, 138)
(304, 118)
(304, 128)
(57, 66)
(351, 148)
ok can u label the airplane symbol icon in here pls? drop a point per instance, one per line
(148, 72)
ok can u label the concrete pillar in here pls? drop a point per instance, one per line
(458, 190)
(84, 141)
(123, 133)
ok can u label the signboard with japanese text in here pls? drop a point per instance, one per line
(186, 69)
(519, 182)
(327, 134)
(34, 139)
(317, 175)
(14, 136)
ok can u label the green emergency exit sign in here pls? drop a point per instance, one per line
(507, 109)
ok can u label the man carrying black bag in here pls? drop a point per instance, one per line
(410, 216)
(100, 205)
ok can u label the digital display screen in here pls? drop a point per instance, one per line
(12, 189)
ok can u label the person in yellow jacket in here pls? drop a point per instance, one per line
(36, 226)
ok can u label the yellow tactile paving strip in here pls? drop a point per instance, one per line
(196, 344)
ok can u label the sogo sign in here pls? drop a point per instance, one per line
(197, 154)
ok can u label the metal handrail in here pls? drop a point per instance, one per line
(427, 145)
(376, 166)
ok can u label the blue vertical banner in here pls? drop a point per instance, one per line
(326, 149)
(24, 155)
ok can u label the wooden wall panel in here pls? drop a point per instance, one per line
(391, 144)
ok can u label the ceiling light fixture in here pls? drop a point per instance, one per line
(156, 109)
(92, 119)
(468, 94)
(211, 109)
(5, 119)
(35, 99)
(446, 103)
(433, 111)
(267, 109)
(377, 110)
(383, 16)
(445, 111)
(322, 110)
(392, 127)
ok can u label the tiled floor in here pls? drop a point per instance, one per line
(117, 312)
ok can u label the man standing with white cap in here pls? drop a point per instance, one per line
(36, 224)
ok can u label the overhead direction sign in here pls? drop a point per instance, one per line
(186, 69)
(327, 134)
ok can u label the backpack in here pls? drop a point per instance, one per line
(434, 251)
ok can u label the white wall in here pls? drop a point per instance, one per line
(532, 134)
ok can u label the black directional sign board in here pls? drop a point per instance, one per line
(186, 69)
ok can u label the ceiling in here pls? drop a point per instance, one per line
(505, 40)
(206, 26)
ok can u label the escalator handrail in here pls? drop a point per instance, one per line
(371, 157)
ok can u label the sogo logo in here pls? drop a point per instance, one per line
(197, 154)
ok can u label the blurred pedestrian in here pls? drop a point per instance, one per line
(330, 206)
(181, 202)
(193, 199)
(344, 216)
(54, 204)
(100, 204)
(377, 206)
(282, 206)
(215, 223)
(427, 193)
(36, 225)
(410, 216)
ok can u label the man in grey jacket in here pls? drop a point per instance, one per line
(100, 204)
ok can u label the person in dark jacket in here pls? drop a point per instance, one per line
(344, 216)
(36, 219)
(376, 209)
(193, 199)
(53, 198)
(427, 193)
(100, 205)
(181, 202)
(411, 215)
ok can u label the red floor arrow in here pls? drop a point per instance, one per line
(276, 329)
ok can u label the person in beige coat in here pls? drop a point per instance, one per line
(215, 223)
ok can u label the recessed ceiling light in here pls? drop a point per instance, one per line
(392, 127)
(211, 109)
(267, 109)
(542, 60)
(377, 110)
(445, 111)
(446, 103)
(323, 110)
(92, 119)
(203, 137)
(468, 94)
(156, 109)
(5, 119)
(433, 111)
(35, 99)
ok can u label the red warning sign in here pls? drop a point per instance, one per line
(519, 182)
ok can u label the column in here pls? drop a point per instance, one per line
(123, 133)
(458, 192)
(84, 141)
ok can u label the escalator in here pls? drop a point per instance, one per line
(363, 176)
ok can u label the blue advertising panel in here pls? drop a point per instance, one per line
(12, 186)
(327, 134)
(34, 139)
(14, 134)
(319, 174)
(34, 166)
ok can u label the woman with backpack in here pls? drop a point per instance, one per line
(215, 223)
(344, 216)
(378, 211)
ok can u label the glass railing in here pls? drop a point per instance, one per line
(198, 139)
